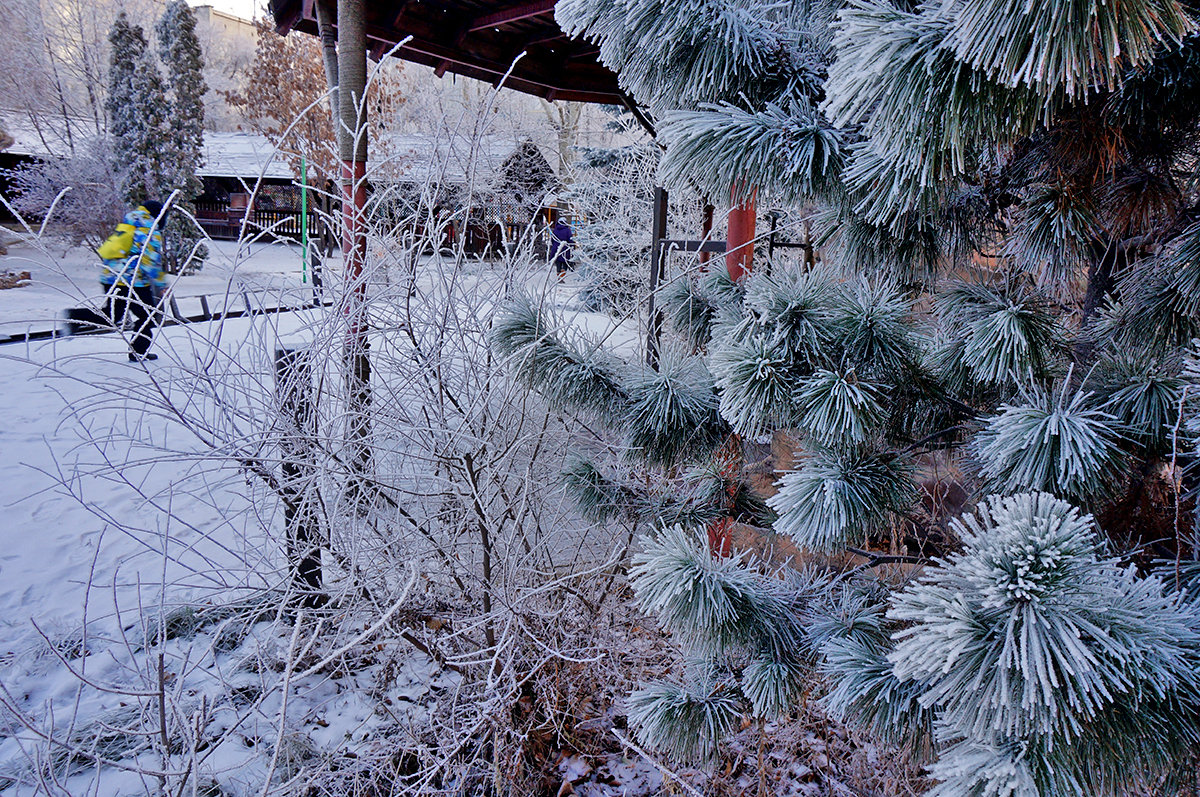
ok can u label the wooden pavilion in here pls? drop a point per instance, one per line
(519, 45)
(481, 40)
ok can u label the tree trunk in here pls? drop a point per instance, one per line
(352, 143)
(327, 27)
(564, 120)
(1100, 276)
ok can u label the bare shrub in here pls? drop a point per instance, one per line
(88, 189)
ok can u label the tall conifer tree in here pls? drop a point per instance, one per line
(152, 164)
(1010, 283)
(179, 49)
(127, 44)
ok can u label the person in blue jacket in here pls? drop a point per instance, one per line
(132, 274)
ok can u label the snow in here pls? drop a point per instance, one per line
(88, 553)
(56, 514)
(248, 156)
(452, 157)
(64, 563)
(69, 277)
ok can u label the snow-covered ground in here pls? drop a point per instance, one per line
(54, 498)
(63, 277)
(98, 535)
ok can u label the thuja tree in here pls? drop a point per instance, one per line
(180, 52)
(135, 107)
(157, 125)
(1009, 285)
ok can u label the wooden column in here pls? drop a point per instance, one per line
(352, 143)
(739, 249)
(739, 256)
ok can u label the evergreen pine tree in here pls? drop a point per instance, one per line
(1046, 154)
(180, 51)
(151, 164)
(127, 44)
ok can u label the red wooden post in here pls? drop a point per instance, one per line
(739, 255)
(352, 143)
(354, 237)
(739, 246)
(728, 460)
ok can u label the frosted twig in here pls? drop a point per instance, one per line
(663, 768)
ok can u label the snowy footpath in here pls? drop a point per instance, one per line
(67, 277)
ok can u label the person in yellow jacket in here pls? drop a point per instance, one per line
(132, 275)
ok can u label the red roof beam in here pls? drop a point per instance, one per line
(507, 16)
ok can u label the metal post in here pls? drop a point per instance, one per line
(297, 426)
(659, 234)
(315, 266)
(706, 225)
(303, 220)
(771, 239)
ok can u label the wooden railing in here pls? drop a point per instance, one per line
(225, 223)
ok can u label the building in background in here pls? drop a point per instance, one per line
(228, 43)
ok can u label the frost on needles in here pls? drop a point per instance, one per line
(1051, 667)
(1003, 300)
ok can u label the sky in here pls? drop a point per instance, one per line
(242, 8)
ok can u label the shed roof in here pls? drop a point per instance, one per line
(446, 158)
(480, 39)
(395, 157)
(242, 155)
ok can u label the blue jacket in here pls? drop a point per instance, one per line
(142, 264)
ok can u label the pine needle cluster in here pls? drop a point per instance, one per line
(1004, 302)
(837, 499)
(744, 624)
(1034, 648)
(1059, 443)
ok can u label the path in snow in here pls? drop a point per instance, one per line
(62, 278)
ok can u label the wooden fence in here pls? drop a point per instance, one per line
(225, 223)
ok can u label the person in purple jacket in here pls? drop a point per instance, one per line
(561, 240)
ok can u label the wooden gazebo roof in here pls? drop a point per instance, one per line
(480, 39)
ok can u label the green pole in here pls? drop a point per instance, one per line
(303, 220)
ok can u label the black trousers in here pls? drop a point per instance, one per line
(139, 303)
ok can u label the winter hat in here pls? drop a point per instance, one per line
(155, 207)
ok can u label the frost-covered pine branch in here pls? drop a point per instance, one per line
(1033, 642)
(1059, 442)
(837, 498)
